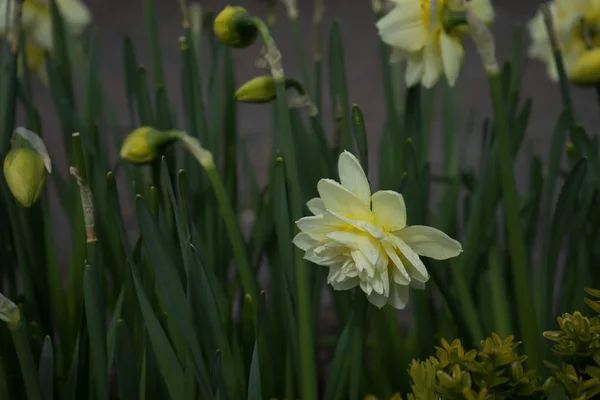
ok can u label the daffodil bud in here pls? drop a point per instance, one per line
(586, 69)
(235, 27)
(9, 312)
(258, 90)
(144, 145)
(25, 167)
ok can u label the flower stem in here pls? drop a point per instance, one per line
(308, 382)
(235, 235)
(516, 240)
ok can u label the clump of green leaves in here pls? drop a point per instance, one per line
(577, 345)
(495, 371)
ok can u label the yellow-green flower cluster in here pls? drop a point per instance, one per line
(36, 25)
(576, 25)
(577, 345)
(493, 370)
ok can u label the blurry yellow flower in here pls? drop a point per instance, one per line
(428, 34)
(25, 174)
(234, 27)
(36, 23)
(364, 239)
(258, 90)
(144, 144)
(9, 311)
(586, 69)
(576, 23)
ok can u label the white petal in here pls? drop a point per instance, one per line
(316, 206)
(452, 56)
(41, 33)
(345, 284)
(430, 242)
(339, 199)
(398, 296)
(399, 274)
(314, 226)
(359, 241)
(377, 299)
(389, 210)
(304, 241)
(432, 61)
(411, 261)
(404, 27)
(414, 70)
(76, 14)
(483, 9)
(353, 178)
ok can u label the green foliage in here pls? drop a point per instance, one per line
(157, 289)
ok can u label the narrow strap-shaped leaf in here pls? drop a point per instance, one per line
(97, 331)
(127, 377)
(46, 370)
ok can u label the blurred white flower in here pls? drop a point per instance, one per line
(576, 23)
(36, 23)
(364, 239)
(428, 34)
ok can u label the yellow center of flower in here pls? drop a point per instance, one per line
(432, 13)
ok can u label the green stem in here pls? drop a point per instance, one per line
(28, 367)
(516, 240)
(235, 236)
(308, 383)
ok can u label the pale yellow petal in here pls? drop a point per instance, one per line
(358, 241)
(404, 27)
(304, 241)
(399, 274)
(76, 14)
(452, 56)
(378, 300)
(315, 226)
(483, 9)
(411, 261)
(339, 199)
(398, 296)
(316, 206)
(432, 61)
(414, 69)
(389, 210)
(353, 177)
(40, 33)
(430, 242)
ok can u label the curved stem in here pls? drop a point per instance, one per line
(308, 383)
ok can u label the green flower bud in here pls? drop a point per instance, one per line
(258, 90)
(25, 174)
(235, 27)
(9, 312)
(145, 144)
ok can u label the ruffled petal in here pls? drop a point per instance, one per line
(353, 177)
(339, 199)
(389, 210)
(430, 242)
(399, 296)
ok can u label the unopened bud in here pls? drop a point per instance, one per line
(145, 144)
(258, 90)
(9, 312)
(235, 27)
(25, 167)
